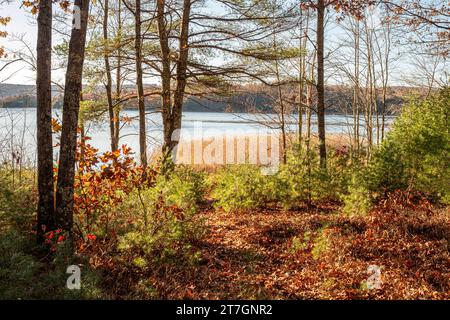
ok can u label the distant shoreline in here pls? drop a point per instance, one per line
(338, 99)
(391, 115)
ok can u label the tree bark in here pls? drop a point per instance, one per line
(385, 76)
(118, 77)
(369, 90)
(140, 85)
(71, 108)
(309, 99)
(165, 76)
(45, 211)
(302, 73)
(181, 70)
(321, 82)
(172, 110)
(356, 91)
(282, 113)
(108, 86)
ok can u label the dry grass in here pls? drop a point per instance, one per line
(212, 153)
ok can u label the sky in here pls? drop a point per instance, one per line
(23, 25)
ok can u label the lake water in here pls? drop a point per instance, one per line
(18, 129)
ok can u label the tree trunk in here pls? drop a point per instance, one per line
(369, 88)
(385, 79)
(114, 144)
(140, 85)
(118, 77)
(45, 211)
(375, 100)
(321, 82)
(181, 70)
(374, 86)
(383, 111)
(309, 98)
(165, 77)
(356, 91)
(282, 111)
(71, 108)
(301, 79)
(172, 113)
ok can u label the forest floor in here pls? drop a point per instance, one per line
(315, 253)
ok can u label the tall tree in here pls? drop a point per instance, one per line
(356, 89)
(140, 84)
(118, 75)
(172, 108)
(321, 81)
(384, 46)
(303, 38)
(182, 65)
(190, 38)
(351, 7)
(45, 211)
(108, 85)
(71, 107)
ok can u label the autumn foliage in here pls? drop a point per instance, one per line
(103, 181)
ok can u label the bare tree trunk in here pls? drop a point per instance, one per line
(45, 211)
(300, 109)
(309, 96)
(172, 112)
(301, 78)
(369, 99)
(282, 111)
(385, 75)
(71, 107)
(82, 127)
(302, 73)
(114, 144)
(321, 82)
(118, 77)
(374, 88)
(165, 77)
(140, 84)
(383, 107)
(280, 102)
(356, 90)
(309, 103)
(181, 68)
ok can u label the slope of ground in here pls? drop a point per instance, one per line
(310, 254)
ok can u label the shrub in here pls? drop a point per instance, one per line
(358, 199)
(317, 243)
(165, 225)
(295, 180)
(23, 273)
(17, 268)
(302, 179)
(183, 188)
(17, 200)
(240, 187)
(329, 184)
(386, 170)
(415, 154)
(195, 179)
(321, 243)
(102, 182)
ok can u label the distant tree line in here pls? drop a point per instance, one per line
(246, 101)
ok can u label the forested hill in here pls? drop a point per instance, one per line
(338, 99)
